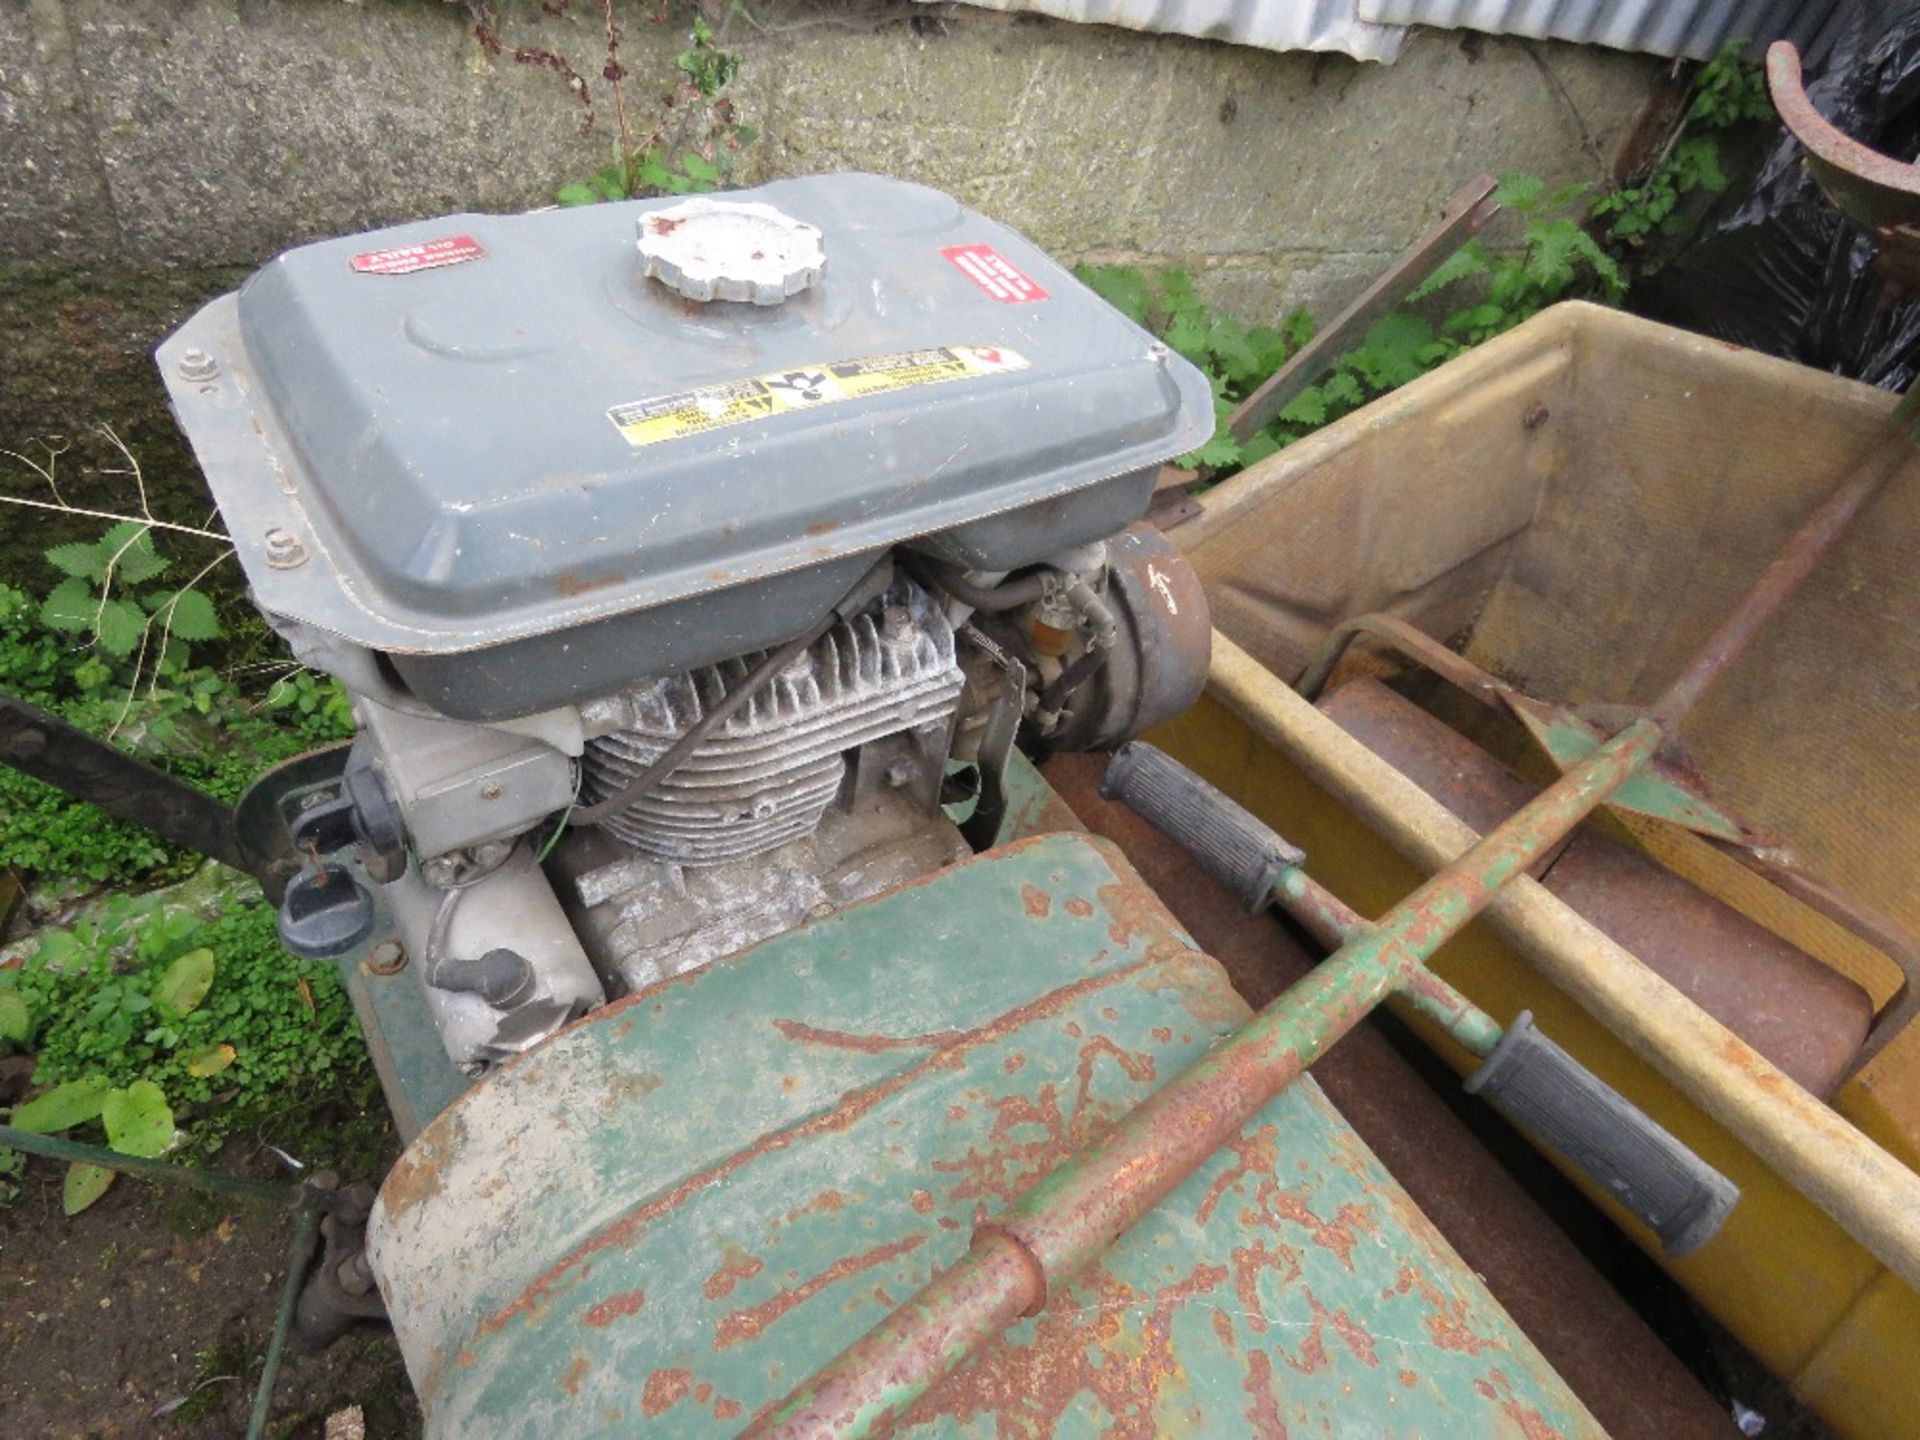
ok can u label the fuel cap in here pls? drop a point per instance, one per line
(707, 249)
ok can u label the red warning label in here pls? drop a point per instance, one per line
(994, 273)
(429, 255)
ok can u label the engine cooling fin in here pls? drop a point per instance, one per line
(767, 775)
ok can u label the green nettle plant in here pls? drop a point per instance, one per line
(1491, 291)
(1728, 91)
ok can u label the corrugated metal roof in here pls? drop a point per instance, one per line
(1692, 28)
(1267, 24)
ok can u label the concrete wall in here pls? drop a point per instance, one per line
(152, 151)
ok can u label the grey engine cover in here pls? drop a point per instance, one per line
(527, 474)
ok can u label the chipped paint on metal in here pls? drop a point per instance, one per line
(785, 1185)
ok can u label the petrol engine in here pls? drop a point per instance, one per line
(694, 566)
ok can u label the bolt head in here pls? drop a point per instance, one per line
(284, 551)
(389, 957)
(197, 364)
(492, 790)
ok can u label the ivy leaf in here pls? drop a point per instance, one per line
(186, 982)
(576, 194)
(120, 626)
(138, 1120)
(16, 1022)
(83, 562)
(60, 951)
(698, 167)
(69, 607)
(73, 1103)
(84, 1185)
(192, 617)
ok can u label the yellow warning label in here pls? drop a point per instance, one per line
(735, 402)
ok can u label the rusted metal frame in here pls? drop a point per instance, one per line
(1467, 213)
(1410, 641)
(1332, 922)
(1078, 1209)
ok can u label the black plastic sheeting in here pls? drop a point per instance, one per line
(1782, 271)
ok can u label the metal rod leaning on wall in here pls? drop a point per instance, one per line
(1868, 1193)
(1467, 214)
(1076, 1211)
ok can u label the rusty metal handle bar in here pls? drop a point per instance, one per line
(1529, 1079)
(1871, 1194)
(1075, 1212)
(1080, 1208)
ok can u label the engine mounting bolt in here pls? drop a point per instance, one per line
(197, 364)
(898, 774)
(284, 552)
(389, 957)
(896, 622)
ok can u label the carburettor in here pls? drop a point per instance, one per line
(686, 561)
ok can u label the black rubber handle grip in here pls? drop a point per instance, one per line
(1234, 846)
(1557, 1100)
